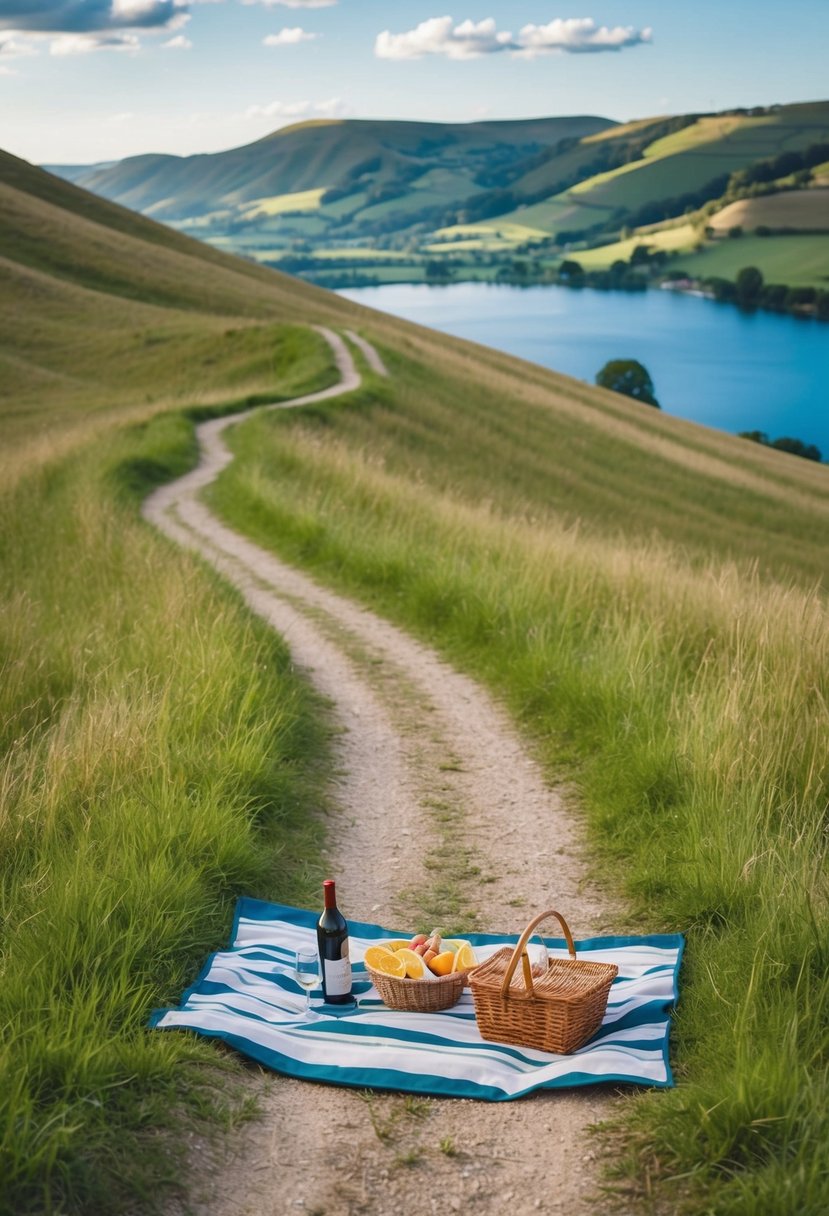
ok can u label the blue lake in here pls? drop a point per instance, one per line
(709, 362)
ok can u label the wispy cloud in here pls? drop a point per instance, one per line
(333, 107)
(578, 35)
(471, 39)
(289, 37)
(13, 46)
(440, 36)
(179, 43)
(293, 3)
(83, 44)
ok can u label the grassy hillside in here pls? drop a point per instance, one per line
(378, 169)
(800, 210)
(641, 597)
(799, 259)
(681, 163)
(638, 590)
(142, 787)
(323, 189)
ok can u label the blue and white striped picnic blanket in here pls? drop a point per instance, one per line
(248, 997)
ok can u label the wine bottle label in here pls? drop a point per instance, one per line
(337, 976)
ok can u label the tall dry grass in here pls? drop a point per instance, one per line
(159, 757)
(687, 699)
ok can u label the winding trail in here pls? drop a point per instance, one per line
(425, 763)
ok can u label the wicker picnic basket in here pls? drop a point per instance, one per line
(555, 1011)
(419, 996)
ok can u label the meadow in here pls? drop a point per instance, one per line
(159, 754)
(671, 664)
(646, 597)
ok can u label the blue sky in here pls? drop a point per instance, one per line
(88, 80)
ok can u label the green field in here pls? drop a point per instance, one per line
(674, 165)
(798, 261)
(647, 597)
(798, 209)
(680, 238)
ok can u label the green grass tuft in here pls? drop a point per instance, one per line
(683, 692)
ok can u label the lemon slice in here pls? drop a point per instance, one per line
(397, 945)
(374, 954)
(465, 958)
(415, 967)
(390, 964)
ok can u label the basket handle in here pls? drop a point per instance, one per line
(520, 950)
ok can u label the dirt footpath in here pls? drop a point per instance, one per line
(428, 767)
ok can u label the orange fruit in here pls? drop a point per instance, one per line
(374, 953)
(396, 945)
(390, 964)
(414, 965)
(465, 959)
(441, 964)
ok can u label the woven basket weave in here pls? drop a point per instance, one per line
(419, 996)
(556, 1011)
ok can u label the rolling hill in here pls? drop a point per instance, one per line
(644, 595)
(343, 176)
(324, 186)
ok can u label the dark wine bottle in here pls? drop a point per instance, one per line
(332, 942)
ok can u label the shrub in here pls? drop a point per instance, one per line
(629, 377)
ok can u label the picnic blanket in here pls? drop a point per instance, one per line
(248, 997)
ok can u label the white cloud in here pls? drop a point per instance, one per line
(82, 44)
(289, 37)
(437, 36)
(14, 45)
(138, 12)
(470, 39)
(179, 43)
(293, 3)
(332, 108)
(577, 35)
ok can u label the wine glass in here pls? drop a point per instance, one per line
(307, 973)
(538, 955)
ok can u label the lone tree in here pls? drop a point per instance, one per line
(629, 377)
(749, 286)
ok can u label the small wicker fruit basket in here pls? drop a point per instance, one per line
(419, 996)
(556, 1011)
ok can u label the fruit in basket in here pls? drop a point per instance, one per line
(422, 957)
(375, 954)
(391, 964)
(414, 965)
(441, 964)
(464, 959)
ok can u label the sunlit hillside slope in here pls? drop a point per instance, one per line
(104, 310)
(640, 592)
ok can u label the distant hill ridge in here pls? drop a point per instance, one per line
(323, 190)
(323, 155)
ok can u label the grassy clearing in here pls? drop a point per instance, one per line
(800, 260)
(807, 210)
(685, 692)
(160, 758)
(303, 200)
(679, 238)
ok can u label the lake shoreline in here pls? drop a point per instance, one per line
(729, 368)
